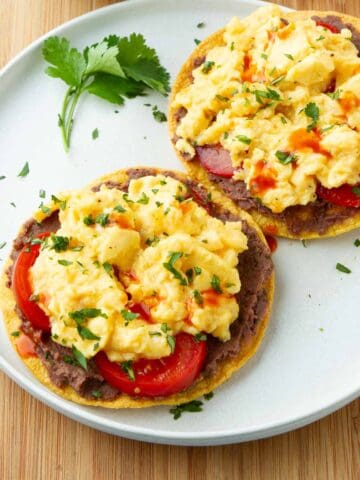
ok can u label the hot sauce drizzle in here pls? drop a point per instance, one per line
(304, 141)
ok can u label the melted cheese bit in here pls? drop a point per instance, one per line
(154, 247)
(264, 88)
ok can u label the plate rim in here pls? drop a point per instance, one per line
(85, 415)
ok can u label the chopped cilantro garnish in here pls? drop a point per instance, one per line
(127, 368)
(89, 220)
(320, 38)
(267, 94)
(152, 241)
(222, 98)
(200, 337)
(283, 120)
(59, 243)
(96, 394)
(169, 265)
(15, 334)
(289, 56)
(87, 334)
(326, 129)
(285, 157)
(128, 316)
(342, 268)
(24, 171)
(171, 342)
(335, 95)
(155, 190)
(2, 177)
(158, 115)
(197, 270)
(215, 284)
(42, 193)
(193, 406)
(198, 297)
(357, 242)
(278, 79)
(190, 274)
(102, 219)
(44, 209)
(154, 334)
(80, 316)
(264, 56)
(64, 262)
(95, 134)
(108, 268)
(79, 357)
(207, 66)
(127, 199)
(197, 41)
(200, 25)
(144, 199)
(243, 139)
(62, 203)
(208, 396)
(356, 191)
(312, 111)
(163, 182)
(119, 209)
(2, 245)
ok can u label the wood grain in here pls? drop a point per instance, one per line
(37, 443)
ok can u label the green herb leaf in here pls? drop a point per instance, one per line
(102, 57)
(356, 191)
(59, 243)
(95, 134)
(342, 268)
(200, 337)
(197, 41)
(169, 265)
(158, 115)
(200, 25)
(289, 56)
(102, 219)
(108, 268)
(208, 396)
(335, 95)
(80, 316)
(119, 209)
(127, 368)
(2, 245)
(207, 66)
(68, 63)
(15, 334)
(24, 171)
(86, 334)
(96, 393)
(312, 111)
(89, 220)
(285, 157)
(197, 270)
(215, 284)
(142, 64)
(144, 199)
(357, 242)
(243, 139)
(198, 297)
(193, 406)
(64, 262)
(79, 357)
(171, 342)
(62, 203)
(128, 316)
(2, 177)
(42, 193)
(113, 89)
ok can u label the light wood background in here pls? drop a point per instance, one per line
(37, 443)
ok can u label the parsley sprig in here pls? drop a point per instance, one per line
(111, 69)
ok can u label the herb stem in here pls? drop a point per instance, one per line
(67, 126)
(65, 105)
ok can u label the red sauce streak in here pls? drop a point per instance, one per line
(272, 242)
(25, 346)
(263, 179)
(210, 297)
(304, 141)
(123, 222)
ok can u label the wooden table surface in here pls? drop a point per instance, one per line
(37, 443)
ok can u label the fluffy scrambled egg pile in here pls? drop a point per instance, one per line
(127, 271)
(283, 99)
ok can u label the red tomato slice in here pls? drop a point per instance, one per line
(332, 29)
(343, 196)
(22, 288)
(162, 377)
(215, 159)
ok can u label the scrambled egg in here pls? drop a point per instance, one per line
(152, 250)
(262, 96)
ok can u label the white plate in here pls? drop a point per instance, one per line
(300, 373)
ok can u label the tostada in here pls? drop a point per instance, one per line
(266, 111)
(141, 289)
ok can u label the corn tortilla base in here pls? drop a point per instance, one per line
(200, 387)
(196, 171)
